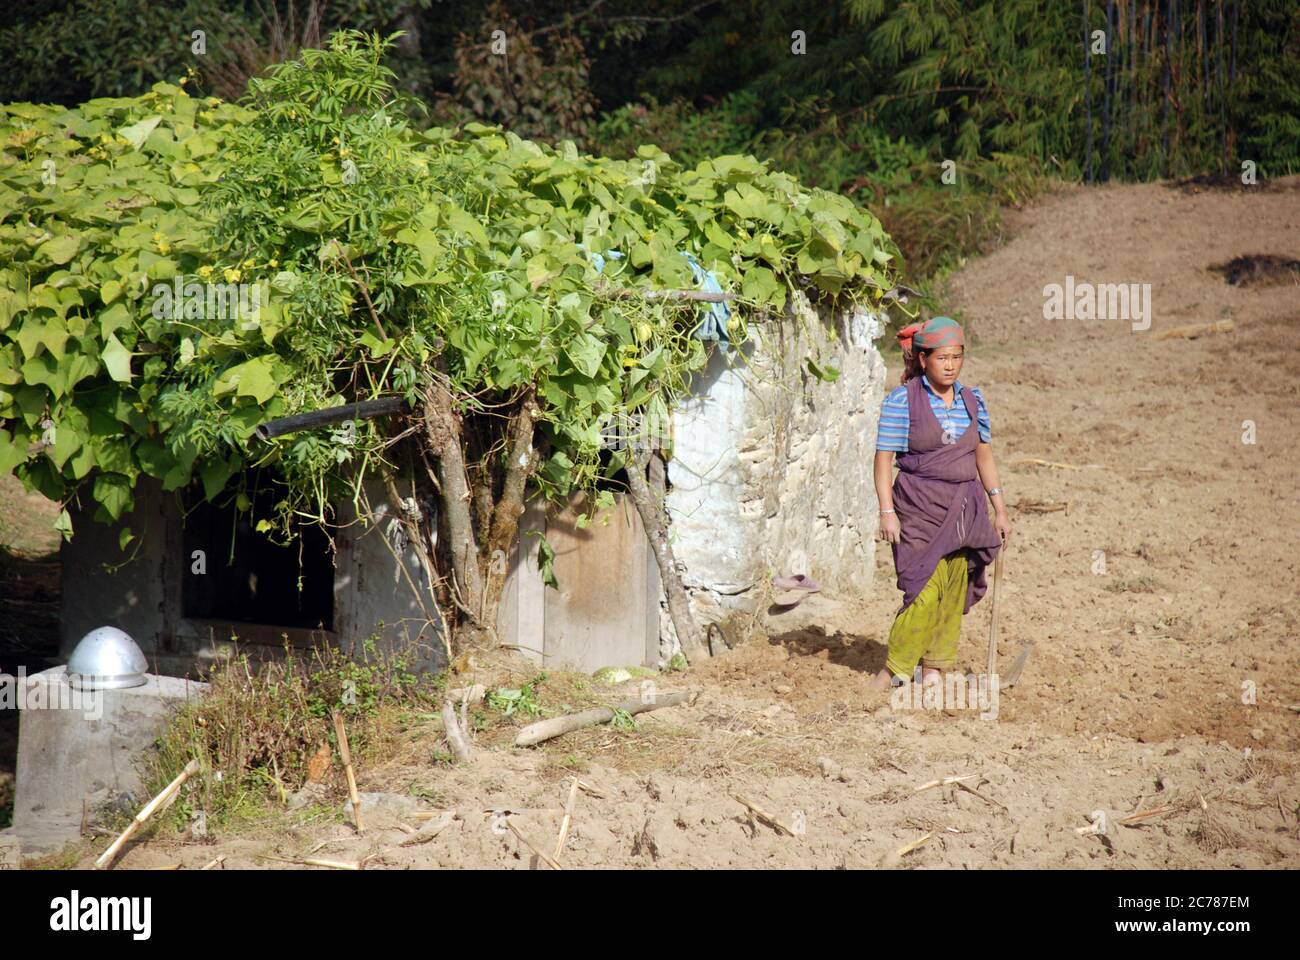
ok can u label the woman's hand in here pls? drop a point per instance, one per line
(890, 529)
(1002, 524)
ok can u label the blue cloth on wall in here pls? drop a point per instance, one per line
(714, 324)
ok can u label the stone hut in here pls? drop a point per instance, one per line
(771, 473)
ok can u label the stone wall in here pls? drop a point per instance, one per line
(772, 466)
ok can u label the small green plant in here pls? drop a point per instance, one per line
(426, 794)
(522, 700)
(622, 720)
(677, 664)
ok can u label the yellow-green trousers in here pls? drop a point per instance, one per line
(927, 631)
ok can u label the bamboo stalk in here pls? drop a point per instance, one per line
(162, 800)
(946, 781)
(1144, 814)
(1087, 82)
(312, 862)
(975, 793)
(346, 754)
(914, 845)
(1109, 81)
(1169, 69)
(764, 816)
(568, 819)
(1232, 68)
(546, 858)
(1218, 56)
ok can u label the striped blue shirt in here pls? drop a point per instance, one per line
(894, 422)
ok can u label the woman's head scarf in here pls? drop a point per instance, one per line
(934, 333)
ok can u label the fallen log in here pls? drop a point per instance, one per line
(535, 733)
(1194, 330)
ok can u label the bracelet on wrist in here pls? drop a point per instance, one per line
(883, 512)
(994, 492)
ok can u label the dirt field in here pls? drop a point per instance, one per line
(1163, 595)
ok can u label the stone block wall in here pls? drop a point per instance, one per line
(772, 466)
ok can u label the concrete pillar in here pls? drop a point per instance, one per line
(81, 745)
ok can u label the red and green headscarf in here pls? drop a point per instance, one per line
(934, 333)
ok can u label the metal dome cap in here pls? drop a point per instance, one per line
(107, 659)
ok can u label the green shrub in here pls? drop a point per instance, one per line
(259, 724)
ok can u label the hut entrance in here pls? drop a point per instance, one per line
(248, 578)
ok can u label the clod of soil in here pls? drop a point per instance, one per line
(1259, 270)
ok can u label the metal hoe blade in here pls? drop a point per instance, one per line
(1012, 676)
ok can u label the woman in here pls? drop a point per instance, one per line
(934, 513)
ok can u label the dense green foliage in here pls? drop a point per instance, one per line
(393, 258)
(884, 93)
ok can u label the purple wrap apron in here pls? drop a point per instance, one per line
(941, 504)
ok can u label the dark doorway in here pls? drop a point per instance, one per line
(249, 578)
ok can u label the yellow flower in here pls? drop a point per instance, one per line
(205, 271)
(164, 246)
(231, 274)
(249, 263)
(336, 139)
(273, 263)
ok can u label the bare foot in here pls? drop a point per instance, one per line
(881, 681)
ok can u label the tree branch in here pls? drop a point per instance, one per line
(655, 522)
